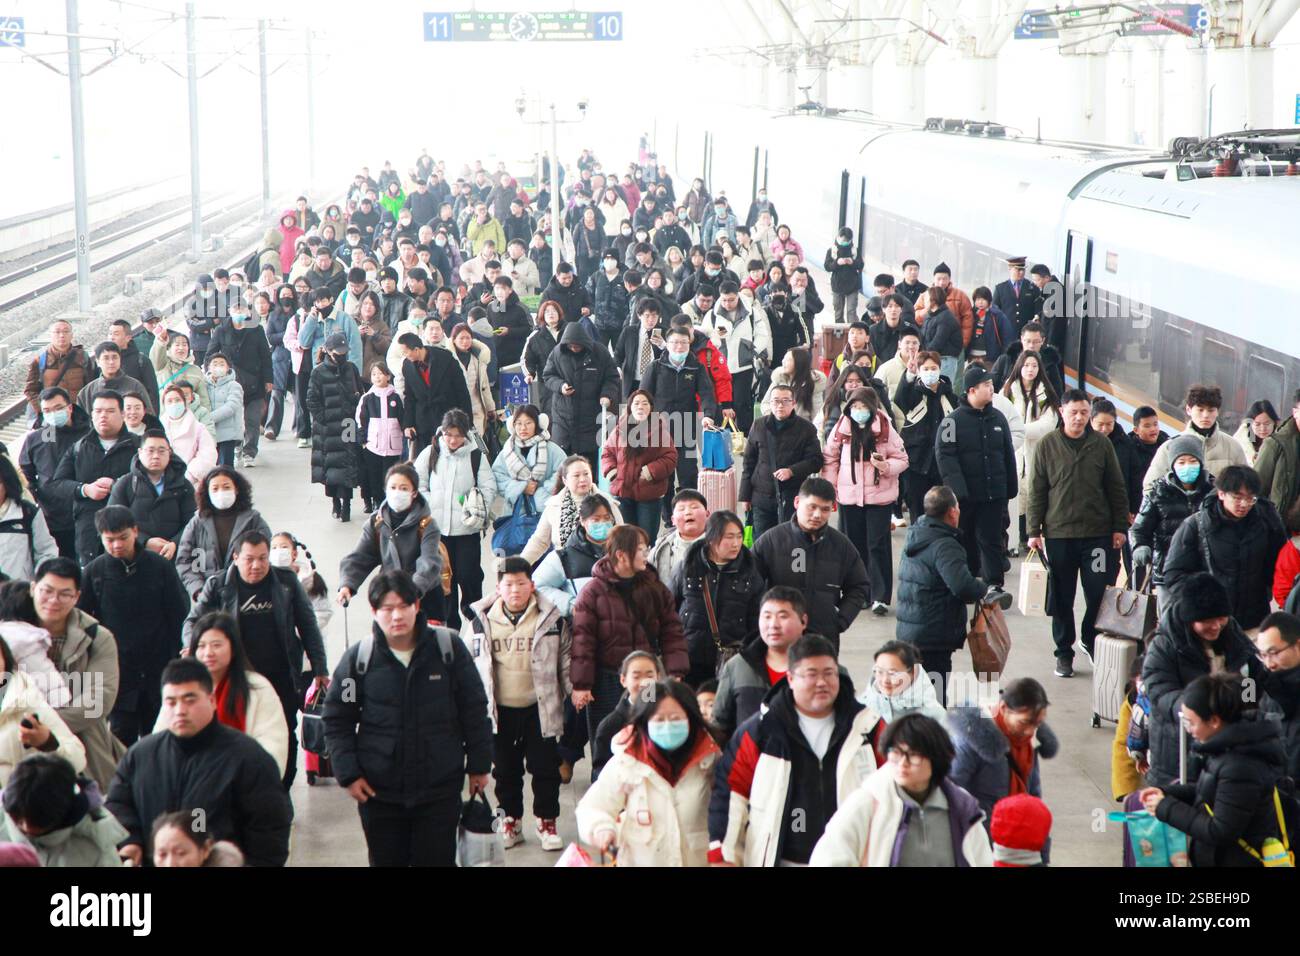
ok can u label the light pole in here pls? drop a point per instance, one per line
(557, 244)
(80, 210)
(192, 81)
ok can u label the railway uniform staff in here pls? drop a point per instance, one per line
(1017, 297)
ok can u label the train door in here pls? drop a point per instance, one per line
(1078, 279)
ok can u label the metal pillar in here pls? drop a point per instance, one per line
(557, 223)
(192, 71)
(266, 135)
(79, 161)
(311, 117)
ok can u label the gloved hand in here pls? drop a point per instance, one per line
(1142, 555)
(995, 595)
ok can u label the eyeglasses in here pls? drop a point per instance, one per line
(783, 402)
(879, 672)
(909, 757)
(48, 593)
(1273, 653)
(1247, 500)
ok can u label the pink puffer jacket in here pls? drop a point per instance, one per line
(865, 490)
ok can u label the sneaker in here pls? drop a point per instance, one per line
(1087, 652)
(268, 434)
(548, 836)
(304, 442)
(1064, 668)
(511, 832)
(566, 771)
(896, 523)
(879, 608)
(370, 507)
(249, 462)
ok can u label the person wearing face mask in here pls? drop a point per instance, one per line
(288, 552)
(609, 297)
(761, 204)
(204, 311)
(158, 493)
(227, 407)
(242, 340)
(190, 441)
(332, 398)
(711, 274)
(566, 570)
(401, 536)
(1168, 503)
(59, 426)
(845, 266)
(1235, 536)
(225, 511)
(1202, 407)
(321, 321)
(923, 398)
(650, 805)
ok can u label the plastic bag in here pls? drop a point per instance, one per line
(715, 451)
(478, 841)
(1154, 843)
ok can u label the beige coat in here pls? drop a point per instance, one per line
(90, 666)
(1221, 450)
(552, 642)
(480, 389)
(23, 696)
(1035, 430)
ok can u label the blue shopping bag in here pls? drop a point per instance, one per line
(511, 532)
(1154, 843)
(715, 450)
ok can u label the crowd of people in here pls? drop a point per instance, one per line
(669, 585)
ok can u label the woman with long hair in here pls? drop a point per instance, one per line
(850, 378)
(588, 245)
(624, 608)
(942, 331)
(376, 336)
(225, 510)
(541, 342)
(559, 516)
(637, 458)
(1260, 422)
(473, 357)
(616, 214)
(808, 383)
(864, 457)
(1031, 391)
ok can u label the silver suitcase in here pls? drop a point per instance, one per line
(1112, 661)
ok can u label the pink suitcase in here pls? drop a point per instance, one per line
(719, 489)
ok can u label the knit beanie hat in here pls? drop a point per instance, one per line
(1186, 445)
(1020, 826)
(1204, 597)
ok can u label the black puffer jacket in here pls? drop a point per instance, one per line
(42, 450)
(572, 300)
(795, 447)
(158, 515)
(1242, 764)
(514, 318)
(942, 333)
(537, 349)
(1126, 454)
(1243, 555)
(1163, 510)
(610, 298)
(412, 731)
(976, 457)
(934, 587)
(1282, 703)
(1175, 659)
(845, 279)
(332, 396)
(736, 590)
(82, 464)
(922, 411)
(592, 375)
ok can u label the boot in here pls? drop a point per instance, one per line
(346, 509)
(335, 512)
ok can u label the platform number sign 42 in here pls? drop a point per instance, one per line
(12, 31)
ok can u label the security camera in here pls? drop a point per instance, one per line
(582, 106)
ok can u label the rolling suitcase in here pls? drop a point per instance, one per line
(719, 489)
(827, 345)
(1112, 661)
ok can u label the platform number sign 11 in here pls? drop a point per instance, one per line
(12, 31)
(437, 26)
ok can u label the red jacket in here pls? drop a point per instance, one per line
(1284, 575)
(605, 629)
(629, 448)
(712, 360)
(289, 240)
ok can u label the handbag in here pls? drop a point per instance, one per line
(715, 451)
(989, 640)
(1154, 843)
(478, 840)
(1127, 613)
(511, 532)
(1033, 585)
(724, 654)
(738, 439)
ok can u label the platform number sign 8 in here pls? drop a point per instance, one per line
(12, 31)
(609, 26)
(1202, 19)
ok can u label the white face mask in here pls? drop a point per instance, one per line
(281, 557)
(221, 500)
(398, 500)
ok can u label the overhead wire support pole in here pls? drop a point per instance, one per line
(80, 201)
(192, 77)
(266, 133)
(311, 116)
(557, 222)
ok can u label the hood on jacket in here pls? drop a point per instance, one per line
(974, 726)
(575, 334)
(272, 238)
(926, 532)
(1252, 736)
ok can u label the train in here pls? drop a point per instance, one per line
(1178, 265)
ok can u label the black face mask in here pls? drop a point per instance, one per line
(289, 303)
(326, 309)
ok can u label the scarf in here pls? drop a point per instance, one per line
(229, 712)
(568, 514)
(1022, 759)
(516, 456)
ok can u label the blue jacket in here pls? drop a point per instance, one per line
(314, 331)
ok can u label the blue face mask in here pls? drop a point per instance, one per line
(860, 415)
(669, 734)
(929, 376)
(57, 419)
(711, 273)
(677, 358)
(1187, 474)
(599, 530)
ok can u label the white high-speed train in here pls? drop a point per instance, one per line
(1189, 277)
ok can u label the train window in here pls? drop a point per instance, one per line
(1266, 379)
(933, 251)
(1175, 367)
(1219, 367)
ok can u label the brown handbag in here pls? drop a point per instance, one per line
(1127, 613)
(989, 640)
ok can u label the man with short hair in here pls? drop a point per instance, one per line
(394, 305)
(59, 426)
(433, 385)
(1032, 339)
(1016, 297)
(689, 511)
(749, 676)
(783, 449)
(157, 493)
(891, 372)
(1078, 518)
(85, 475)
(608, 293)
(583, 380)
(819, 561)
(977, 460)
(276, 623)
(744, 338)
(1278, 463)
(1202, 405)
(139, 596)
(639, 344)
(565, 289)
(934, 586)
(670, 233)
(1277, 645)
(408, 794)
(85, 654)
(910, 288)
(135, 359)
(1147, 438)
(1234, 536)
(61, 364)
(223, 777)
(521, 645)
(792, 764)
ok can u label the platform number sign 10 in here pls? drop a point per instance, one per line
(12, 31)
(608, 26)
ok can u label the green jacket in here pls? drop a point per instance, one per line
(479, 232)
(1279, 472)
(170, 372)
(1076, 493)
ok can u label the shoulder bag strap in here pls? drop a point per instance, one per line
(708, 609)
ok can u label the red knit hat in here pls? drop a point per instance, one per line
(1020, 826)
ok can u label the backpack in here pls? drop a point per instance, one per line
(443, 553)
(23, 525)
(444, 635)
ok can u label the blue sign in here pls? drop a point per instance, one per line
(607, 26)
(1035, 25)
(1297, 109)
(12, 31)
(437, 26)
(522, 27)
